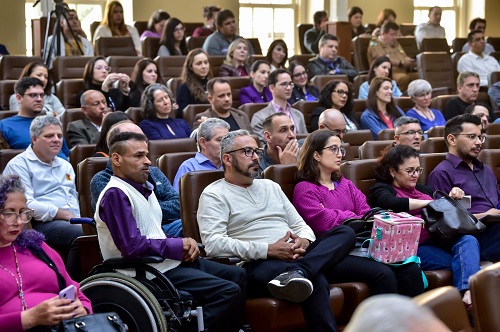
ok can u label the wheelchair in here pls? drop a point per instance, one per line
(146, 302)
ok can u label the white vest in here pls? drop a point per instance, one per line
(148, 215)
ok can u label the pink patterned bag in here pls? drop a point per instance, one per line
(394, 237)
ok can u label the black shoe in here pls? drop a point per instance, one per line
(291, 286)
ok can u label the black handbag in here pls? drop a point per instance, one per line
(102, 322)
(362, 226)
(447, 218)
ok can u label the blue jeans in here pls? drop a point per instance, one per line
(489, 242)
(460, 255)
(173, 229)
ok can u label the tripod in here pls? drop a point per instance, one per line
(54, 49)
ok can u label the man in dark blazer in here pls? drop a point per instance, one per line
(87, 131)
(221, 99)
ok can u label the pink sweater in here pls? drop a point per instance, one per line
(323, 209)
(39, 284)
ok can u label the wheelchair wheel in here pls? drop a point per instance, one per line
(131, 300)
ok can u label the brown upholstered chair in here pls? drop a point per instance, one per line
(169, 163)
(255, 57)
(69, 116)
(494, 41)
(361, 173)
(191, 26)
(306, 108)
(491, 142)
(216, 62)
(141, 26)
(457, 44)
(491, 157)
(236, 84)
(439, 102)
(93, 27)
(493, 129)
(150, 47)
(68, 90)
(136, 114)
(301, 58)
(301, 29)
(405, 103)
(11, 66)
(170, 66)
(360, 53)
(79, 153)
(194, 42)
(358, 107)
(409, 45)
(123, 63)
(322, 80)
(485, 292)
(385, 135)
(437, 69)
(65, 67)
(437, 131)
(356, 138)
(493, 78)
(106, 46)
(173, 84)
(446, 304)
(433, 145)
(86, 170)
(192, 110)
(255, 45)
(7, 114)
(157, 148)
(429, 161)
(6, 90)
(356, 83)
(454, 62)
(407, 29)
(6, 155)
(251, 109)
(373, 149)
(434, 45)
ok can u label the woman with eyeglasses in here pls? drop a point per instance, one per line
(381, 111)
(114, 86)
(51, 104)
(324, 199)
(236, 63)
(420, 91)
(381, 67)
(302, 90)
(29, 286)
(398, 170)
(173, 38)
(257, 91)
(277, 54)
(336, 94)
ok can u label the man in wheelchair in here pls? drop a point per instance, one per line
(128, 218)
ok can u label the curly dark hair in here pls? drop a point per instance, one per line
(391, 158)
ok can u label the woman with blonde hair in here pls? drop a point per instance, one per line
(236, 63)
(113, 25)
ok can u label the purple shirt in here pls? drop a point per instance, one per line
(250, 95)
(149, 33)
(480, 183)
(323, 209)
(115, 211)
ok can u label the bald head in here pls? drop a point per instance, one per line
(123, 127)
(333, 120)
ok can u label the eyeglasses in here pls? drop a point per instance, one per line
(340, 92)
(304, 73)
(35, 95)
(179, 29)
(249, 152)
(473, 137)
(285, 85)
(412, 132)
(106, 68)
(412, 171)
(11, 217)
(336, 131)
(335, 149)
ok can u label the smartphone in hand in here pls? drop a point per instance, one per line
(68, 293)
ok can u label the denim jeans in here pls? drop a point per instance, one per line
(489, 242)
(173, 229)
(460, 255)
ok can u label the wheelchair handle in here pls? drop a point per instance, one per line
(81, 221)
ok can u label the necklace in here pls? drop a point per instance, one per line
(430, 115)
(19, 280)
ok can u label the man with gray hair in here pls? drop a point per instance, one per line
(210, 134)
(87, 131)
(468, 90)
(253, 219)
(50, 189)
(407, 131)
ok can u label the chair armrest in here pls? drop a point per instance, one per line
(225, 260)
(142, 260)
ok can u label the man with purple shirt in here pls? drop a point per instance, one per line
(462, 169)
(128, 218)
